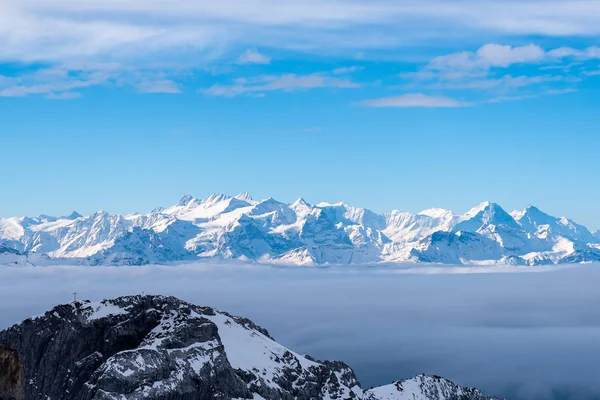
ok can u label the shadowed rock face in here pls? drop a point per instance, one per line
(11, 373)
(155, 347)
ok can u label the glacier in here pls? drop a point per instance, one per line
(297, 234)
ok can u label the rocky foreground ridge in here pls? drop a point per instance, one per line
(155, 347)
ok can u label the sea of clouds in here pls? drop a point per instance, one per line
(523, 333)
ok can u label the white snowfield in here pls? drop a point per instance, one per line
(299, 234)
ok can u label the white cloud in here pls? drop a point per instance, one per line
(484, 70)
(505, 82)
(504, 99)
(53, 82)
(562, 91)
(251, 56)
(347, 70)
(195, 34)
(487, 56)
(64, 96)
(67, 80)
(130, 29)
(286, 82)
(414, 100)
(159, 86)
(496, 56)
(582, 54)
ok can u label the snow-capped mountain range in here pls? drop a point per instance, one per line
(269, 231)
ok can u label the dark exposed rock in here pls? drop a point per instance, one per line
(11, 372)
(155, 347)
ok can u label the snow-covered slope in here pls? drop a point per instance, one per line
(544, 226)
(240, 227)
(456, 248)
(156, 347)
(424, 387)
(11, 256)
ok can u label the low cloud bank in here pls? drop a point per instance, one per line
(533, 335)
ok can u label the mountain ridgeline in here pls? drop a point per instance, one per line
(159, 348)
(269, 231)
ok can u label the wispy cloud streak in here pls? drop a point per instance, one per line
(286, 83)
(414, 100)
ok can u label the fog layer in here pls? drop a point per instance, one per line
(524, 335)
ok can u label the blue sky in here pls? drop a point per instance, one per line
(125, 106)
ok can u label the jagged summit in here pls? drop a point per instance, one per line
(216, 198)
(300, 202)
(245, 196)
(303, 234)
(485, 214)
(186, 200)
(491, 213)
(533, 216)
(73, 215)
(481, 207)
(532, 208)
(157, 347)
(267, 205)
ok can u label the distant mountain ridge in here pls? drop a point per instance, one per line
(299, 233)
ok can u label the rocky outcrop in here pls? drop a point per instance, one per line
(11, 373)
(155, 347)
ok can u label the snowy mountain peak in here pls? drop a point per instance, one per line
(300, 233)
(300, 202)
(73, 215)
(543, 226)
(424, 387)
(534, 216)
(488, 213)
(186, 200)
(245, 196)
(534, 211)
(279, 213)
(326, 204)
(48, 218)
(483, 206)
(437, 213)
(215, 198)
(267, 205)
(301, 208)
